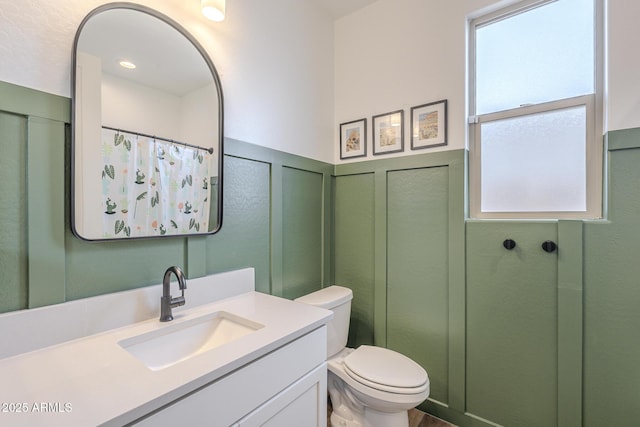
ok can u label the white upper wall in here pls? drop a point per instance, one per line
(275, 60)
(396, 54)
(622, 97)
(277, 74)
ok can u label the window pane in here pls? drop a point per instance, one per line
(543, 54)
(535, 163)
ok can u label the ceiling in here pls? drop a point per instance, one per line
(340, 8)
(165, 58)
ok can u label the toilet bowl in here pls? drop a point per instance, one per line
(374, 386)
(369, 386)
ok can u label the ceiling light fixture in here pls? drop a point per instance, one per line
(213, 9)
(127, 64)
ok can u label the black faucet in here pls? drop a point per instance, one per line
(166, 302)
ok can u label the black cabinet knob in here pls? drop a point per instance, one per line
(549, 246)
(509, 244)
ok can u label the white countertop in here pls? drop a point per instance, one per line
(92, 380)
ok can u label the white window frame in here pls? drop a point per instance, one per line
(594, 122)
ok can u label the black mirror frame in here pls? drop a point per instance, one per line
(216, 79)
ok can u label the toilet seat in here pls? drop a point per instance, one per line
(385, 370)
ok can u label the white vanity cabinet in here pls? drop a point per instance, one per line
(287, 387)
(274, 375)
(304, 403)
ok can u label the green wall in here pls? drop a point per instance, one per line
(399, 244)
(612, 293)
(512, 344)
(500, 332)
(514, 338)
(13, 205)
(354, 250)
(32, 208)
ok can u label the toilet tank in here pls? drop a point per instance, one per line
(337, 299)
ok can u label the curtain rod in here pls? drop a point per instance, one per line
(210, 150)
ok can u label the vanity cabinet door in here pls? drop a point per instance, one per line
(304, 403)
(278, 377)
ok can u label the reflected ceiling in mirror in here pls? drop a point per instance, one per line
(147, 128)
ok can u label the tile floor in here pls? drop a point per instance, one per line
(420, 419)
(416, 419)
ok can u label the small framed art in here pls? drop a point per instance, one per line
(429, 125)
(388, 132)
(353, 139)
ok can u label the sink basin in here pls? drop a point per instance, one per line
(174, 343)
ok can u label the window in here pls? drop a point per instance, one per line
(534, 146)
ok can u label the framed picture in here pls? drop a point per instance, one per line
(429, 125)
(353, 139)
(388, 132)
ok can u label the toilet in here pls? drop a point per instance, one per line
(369, 386)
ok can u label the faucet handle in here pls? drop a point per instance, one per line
(178, 301)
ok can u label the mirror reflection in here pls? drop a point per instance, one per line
(147, 136)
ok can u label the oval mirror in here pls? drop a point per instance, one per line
(147, 128)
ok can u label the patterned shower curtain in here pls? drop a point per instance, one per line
(153, 188)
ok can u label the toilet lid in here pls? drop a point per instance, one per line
(385, 367)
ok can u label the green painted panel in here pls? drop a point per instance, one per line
(34, 103)
(353, 251)
(13, 231)
(512, 323)
(244, 238)
(302, 232)
(46, 211)
(417, 270)
(623, 139)
(570, 318)
(612, 295)
(277, 206)
(96, 268)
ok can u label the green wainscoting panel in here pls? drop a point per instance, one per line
(196, 262)
(96, 268)
(38, 152)
(380, 257)
(414, 208)
(244, 239)
(34, 103)
(612, 294)
(46, 211)
(13, 208)
(512, 323)
(354, 251)
(570, 319)
(302, 232)
(275, 202)
(417, 270)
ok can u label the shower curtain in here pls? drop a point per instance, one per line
(151, 187)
